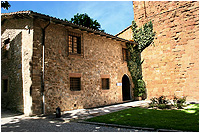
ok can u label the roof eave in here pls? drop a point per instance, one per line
(66, 23)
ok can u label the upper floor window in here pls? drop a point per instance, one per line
(74, 42)
(126, 54)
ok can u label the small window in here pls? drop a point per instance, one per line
(5, 49)
(105, 83)
(75, 84)
(74, 42)
(5, 85)
(126, 54)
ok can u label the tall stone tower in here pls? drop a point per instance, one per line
(171, 65)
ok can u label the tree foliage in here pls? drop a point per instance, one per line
(85, 20)
(143, 37)
(5, 5)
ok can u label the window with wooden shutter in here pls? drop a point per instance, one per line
(125, 54)
(74, 41)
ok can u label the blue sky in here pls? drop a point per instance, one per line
(114, 16)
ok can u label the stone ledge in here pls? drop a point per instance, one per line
(167, 130)
(112, 125)
(129, 127)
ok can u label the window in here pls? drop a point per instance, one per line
(5, 49)
(74, 42)
(105, 83)
(75, 84)
(5, 85)
(126, 54)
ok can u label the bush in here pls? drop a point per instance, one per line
(154, 100)
(162, 100)
(162, 103)
(162, 106)
(179, 102)
(141, 87)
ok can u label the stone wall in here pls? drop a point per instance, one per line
(12, 68)
(101, 57)
(171, 67)
(37, 61)
(126, 33)
(27, 57)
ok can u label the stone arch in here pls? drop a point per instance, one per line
(126, 88)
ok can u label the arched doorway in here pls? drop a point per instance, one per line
(126, 92)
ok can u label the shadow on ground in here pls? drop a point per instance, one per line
(52, 124)
(17, 123)
(35, 124)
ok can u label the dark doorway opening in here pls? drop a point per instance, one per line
(126, 92)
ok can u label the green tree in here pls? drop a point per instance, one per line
(5, 5)
(143, 37)
(85, 20)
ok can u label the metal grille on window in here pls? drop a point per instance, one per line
(105, 83)
(75, 84)
(75, 44)
(70, 44)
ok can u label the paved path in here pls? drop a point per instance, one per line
(18, 123)
(88, 113)
(48, 125)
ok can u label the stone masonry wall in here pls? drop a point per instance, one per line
(27, 56)
(101, 57)
(37, 61)
(171, 67)
(12, 68)
(126, 34)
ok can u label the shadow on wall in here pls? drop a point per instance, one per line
(11, 66)
(17, 67)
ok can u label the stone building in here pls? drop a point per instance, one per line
(47, 62)
(171, 65)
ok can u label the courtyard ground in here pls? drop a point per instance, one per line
(16, 122)
(70, 121)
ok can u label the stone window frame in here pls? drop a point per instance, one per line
(74, 76)
(2, 84)
(105, 77)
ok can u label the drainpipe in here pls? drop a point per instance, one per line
(43, 65)
(145, 12)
